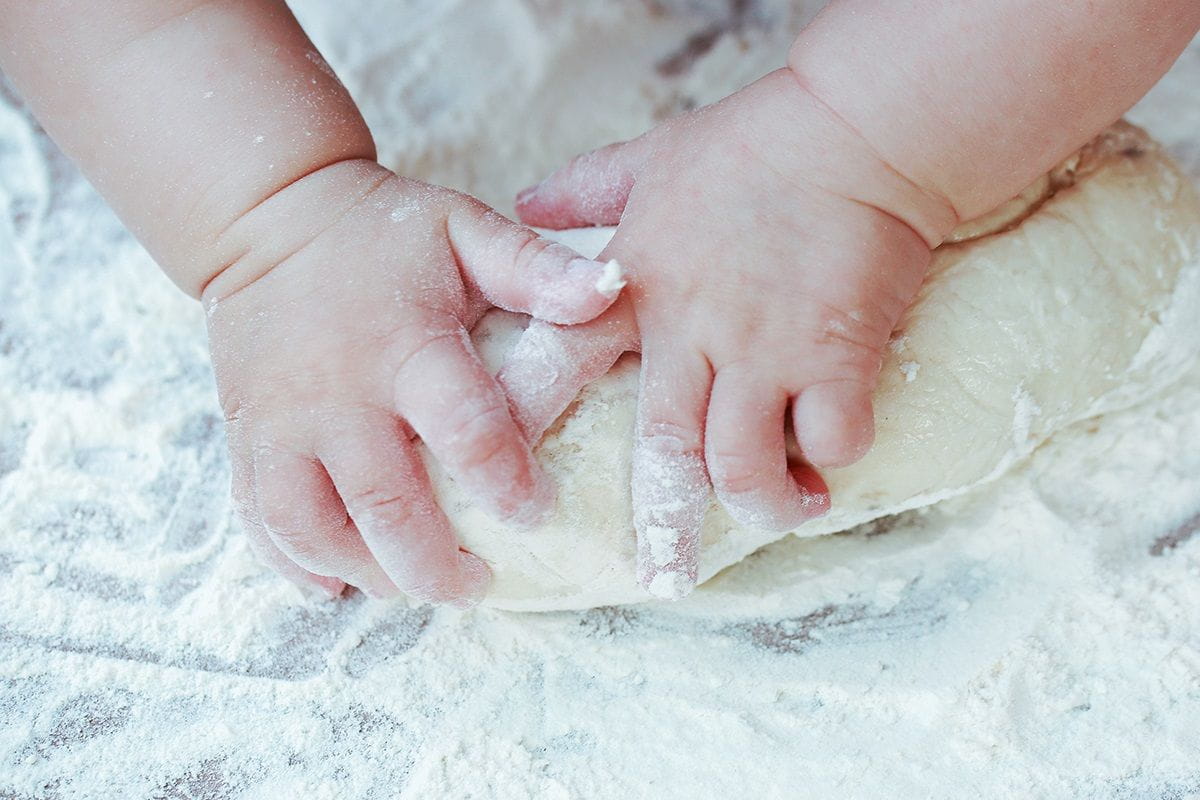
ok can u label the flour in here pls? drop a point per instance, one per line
(612, 280)
(1035, 638)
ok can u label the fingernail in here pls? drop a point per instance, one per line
(818, 504)
(320, 587)
(567, 294)
(816, 500)
(380, 588)
(476, 577)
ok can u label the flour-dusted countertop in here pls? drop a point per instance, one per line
(1037, 638)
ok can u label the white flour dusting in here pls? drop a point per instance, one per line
(612, 280)
(1036, 638)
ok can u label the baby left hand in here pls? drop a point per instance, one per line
(770, 253)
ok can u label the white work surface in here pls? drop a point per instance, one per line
(1039, 637)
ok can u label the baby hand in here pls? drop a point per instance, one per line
(771, 253)
(340, 334)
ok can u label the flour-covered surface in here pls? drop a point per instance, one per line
(1038, 638)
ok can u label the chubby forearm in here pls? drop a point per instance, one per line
(184, 114)
(973, 99)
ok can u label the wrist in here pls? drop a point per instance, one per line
(193, 248)
(183, 115)
(975, 101)
(284, 223)
(831, 154)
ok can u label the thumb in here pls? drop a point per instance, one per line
(590, 190)
(517, 270)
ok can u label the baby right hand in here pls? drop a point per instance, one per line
(340, 335)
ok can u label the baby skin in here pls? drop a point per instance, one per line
(338, 294)
(772, 242)
(774, 239)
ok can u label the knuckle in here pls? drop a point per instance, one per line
(412, 341)
(373, 501)
(533, 253)
(477, 432)
(848, 344)
(842, 386)
(737, 472)
(304, 526)
(669, 437)
(315, 547)
(283, 522)
(501, 236)
(839, 327)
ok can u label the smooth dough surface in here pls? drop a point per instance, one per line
(1079, 297)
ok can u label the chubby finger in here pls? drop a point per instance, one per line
(550, 364)
(454, 404)
(746, 454)
(670, 484)
(834, 422)
(304, 517)
(518, 270)
(274, 559)
(387, 493)
(591, 190)
(246, 505)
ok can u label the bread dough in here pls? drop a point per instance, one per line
(1078, 297)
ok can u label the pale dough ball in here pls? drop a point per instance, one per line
(1076, 298)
